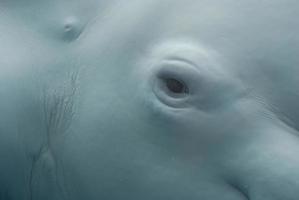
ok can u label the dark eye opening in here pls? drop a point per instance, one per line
(176, 86)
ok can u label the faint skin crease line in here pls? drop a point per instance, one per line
(56, 108)
(240, 190)
(92, 21)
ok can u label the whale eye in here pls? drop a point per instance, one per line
(173, 85)
(176, 86)
(183, 75)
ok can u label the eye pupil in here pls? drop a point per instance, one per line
(175, 86)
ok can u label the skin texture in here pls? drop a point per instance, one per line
(85, 112)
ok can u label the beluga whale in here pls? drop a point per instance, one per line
(171, 99)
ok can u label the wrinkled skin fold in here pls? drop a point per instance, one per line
(149, 100)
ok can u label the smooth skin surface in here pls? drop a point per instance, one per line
(144, 100)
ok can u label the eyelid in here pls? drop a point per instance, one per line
(181, 60)
(177, 66)
(182, 70)
(171, 100)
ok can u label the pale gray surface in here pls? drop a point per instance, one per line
(84, 116)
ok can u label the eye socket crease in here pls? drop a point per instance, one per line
(181, 60)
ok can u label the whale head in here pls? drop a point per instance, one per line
(149, 100)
